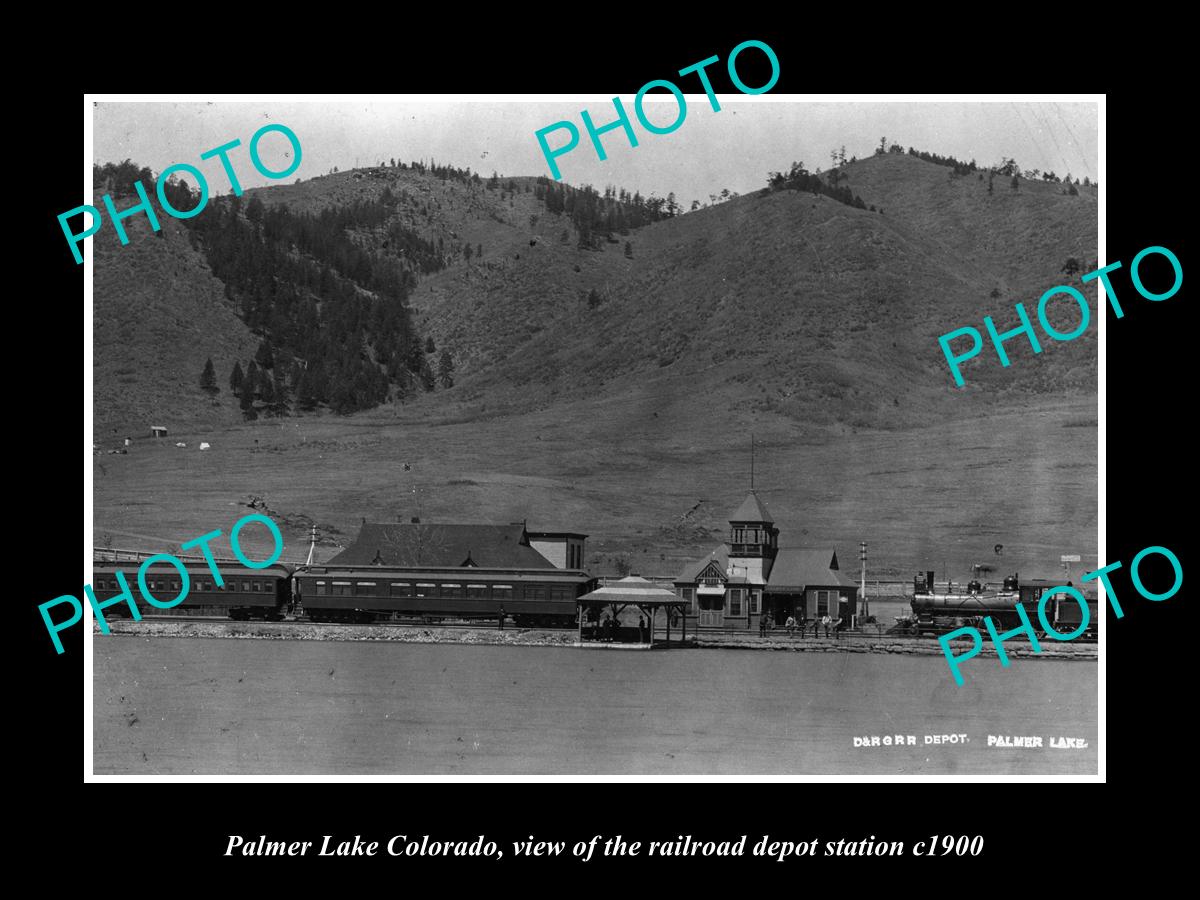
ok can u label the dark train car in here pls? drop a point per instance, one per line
(530, 597)
(246, 593)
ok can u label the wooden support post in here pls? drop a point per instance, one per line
(581, 623)
(668, 627)
(684, 617)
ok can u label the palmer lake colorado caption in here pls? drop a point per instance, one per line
(535, 463)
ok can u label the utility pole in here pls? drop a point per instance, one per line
(312, 546)
(862, 555)
(752, 461)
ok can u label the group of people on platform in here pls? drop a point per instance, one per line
(608, 627)
(826, 621)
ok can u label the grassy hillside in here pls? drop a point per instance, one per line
(811, 323)
(158, 315)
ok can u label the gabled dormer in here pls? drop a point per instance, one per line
(752, 532)
(712, 575)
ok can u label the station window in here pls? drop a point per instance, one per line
(754, 603)
(735, 602)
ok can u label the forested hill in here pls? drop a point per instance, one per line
(818, 297)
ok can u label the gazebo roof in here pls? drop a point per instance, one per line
(633, 589)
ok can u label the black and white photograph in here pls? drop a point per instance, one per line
(712, 435)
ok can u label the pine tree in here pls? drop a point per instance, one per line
(236, 378)
(479, 251)
(247, 404)
(208, 378)
(250, 384)
(446, 370)
(267, 392)
(427, 379)
(305, 394)
(264, 357)
(628, 250)
(429, 348)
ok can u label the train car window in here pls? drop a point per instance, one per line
(503, 587)
(477, 591)
(425, 588)
(341, 588)
(534, 592)
(322, 589)
(245, 587)
(366, 588)
(400, 589)
(452, 590)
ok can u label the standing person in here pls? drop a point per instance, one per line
(816, 624)
(825, 620)
(642, 629)
(837, 628)
(500, 618)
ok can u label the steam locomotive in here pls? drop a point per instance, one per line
(935, 613)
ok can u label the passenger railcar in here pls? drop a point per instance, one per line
(531, 597)
(245, 594)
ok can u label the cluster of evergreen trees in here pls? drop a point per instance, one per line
(798, 178)
(271, 383)
(116, 179)
(959, 167)
(333, 316)
(597, 215)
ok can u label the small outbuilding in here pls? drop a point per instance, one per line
(631, 591)
(158, 431)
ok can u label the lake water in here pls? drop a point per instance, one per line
(208, 706)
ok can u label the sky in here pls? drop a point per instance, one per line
(732, 148)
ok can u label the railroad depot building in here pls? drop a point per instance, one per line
(469, 571)
(751, 576)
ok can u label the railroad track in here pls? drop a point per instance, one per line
(484, 625)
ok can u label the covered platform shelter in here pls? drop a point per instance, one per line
(631, 591)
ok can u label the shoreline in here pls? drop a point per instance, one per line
(529, 637)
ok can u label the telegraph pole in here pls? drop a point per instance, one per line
(862, 555)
